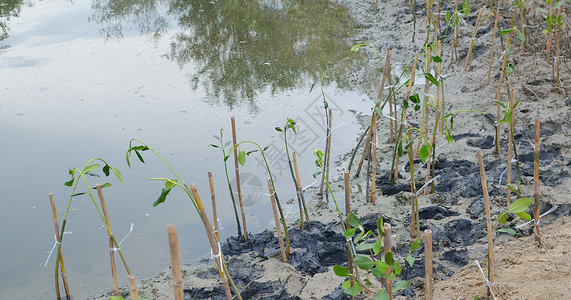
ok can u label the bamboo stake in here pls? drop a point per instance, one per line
(391, 96)
(347, 211)
(496, 17)
(403, 118)
(326, 157)
(488, 220)
(373, 158)
(278, 228)
(300, 189)
(424, 123)
(428, 264)
(328, 153)
(366, 149)
(558, 58)
(413, 231)
(213, 197)
(469, 57)
(387, 244)
(549, 35)
(175, 263)
(110, 234)
(536, 185)
(239, 189)
(133, 287)
(60, 257)
(214, 244)
(510, 146)
(439, 90)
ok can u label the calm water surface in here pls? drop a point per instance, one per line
(79, 79)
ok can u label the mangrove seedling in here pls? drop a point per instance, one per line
(192, 194)
(222, 146)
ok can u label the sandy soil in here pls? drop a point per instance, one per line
(523, 271)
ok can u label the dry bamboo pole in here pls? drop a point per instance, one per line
(328, 155)
(213, 198)
(510, 146)
(133, 287)
(276, 220)
(428, 19)
(413, 231)
(488, 220)
(455, 38)
(428, 264)
(387, 244)
(60, 257)
(373, 158)
(424, 123)
(391, 97)
(499, 89)
(300, 189)
(522, 19)
(111, 245)
(214, 244)
(558, 49)
(550, 33)
(347, 211)
(238, 188)
(175, 263)
(403, 118)
(496, 17)
(440, 89)
(366, 149)
(469, 57)
(536, 185)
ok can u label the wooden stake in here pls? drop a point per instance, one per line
(439, 91)
(276, 219)
(497, 16)
(60, 258)
(469, 57)
(403, 118)
(213, 197)
(239, 189)
(550, 33)
(536, 182)
(110, 234)
(387, 244)
(488, 219)
(558, 49)
(214, 244)
(413, 230)
(133, 287)
(175, 263)
(424, 124)
(510, 146)
(300, 189)
(347, 211)
(428, 264)
(366, 149)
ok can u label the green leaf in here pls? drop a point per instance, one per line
(557, 5)
(77, 194)
(520, 35)
(524, 215)
(163, 197)
(382, 266)
(349, 232)
(356, 47)
(380, 226)
(507, 230)
(405, 103)
(70, 182)
(278, 129)
(346, 284)
(140, 156)
(316, 174)
(424, 152)
(520, 205)
(377, 247)
(117, 174)
(354, 290)
(378, 111)
(341, 271)
(242, 157)
(437, 59)
(431, 78)
(116, 298)
(90, 168)
(139, 148)
(466, 8)
(250, 152)
(397, 269)
(214, 146)
(106, 169)
(353, 220)
(415, 98)
(226, 157)
(400, 285)
(447, 16)
(503, 218)
(415, 245)
(502, 32)
(399, 149)
(410, 260)
(382, 295)
(359, 237)
(92, 174)
(364, 262)
(389, 258)
(365, 246)
(169, 184)
(103, 186)
(377, 273)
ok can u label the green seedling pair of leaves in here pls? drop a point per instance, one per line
(90, 170)
(518, 207)
(290, 124)
(389, 268)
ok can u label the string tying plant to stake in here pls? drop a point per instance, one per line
(222, 146)
(192, 194)
(90, 169)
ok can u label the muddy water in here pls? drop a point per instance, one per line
(80, 79)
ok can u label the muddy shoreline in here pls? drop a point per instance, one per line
(455, 212)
